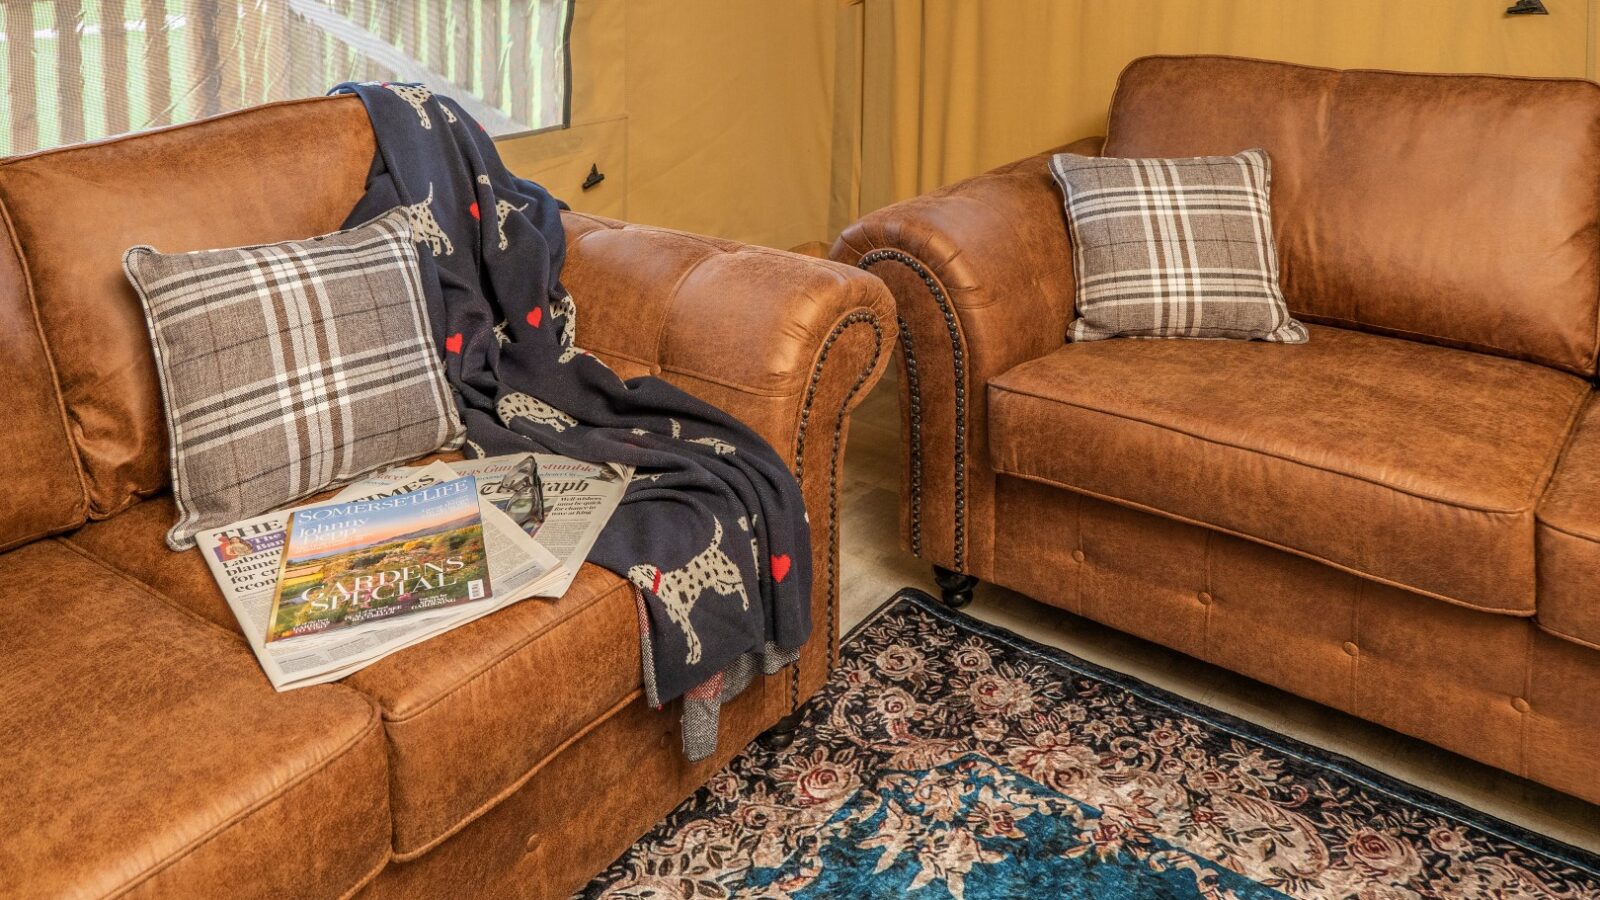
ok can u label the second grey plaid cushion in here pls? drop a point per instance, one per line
(1174, 248)
(290, 368)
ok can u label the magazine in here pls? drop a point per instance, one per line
(518, 563)
(245, 558)
(345, 564)
(579, 499)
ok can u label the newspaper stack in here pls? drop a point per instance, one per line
(579, 498)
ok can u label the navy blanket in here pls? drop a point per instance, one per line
(712, 531)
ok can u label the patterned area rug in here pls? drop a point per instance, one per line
(948, 758)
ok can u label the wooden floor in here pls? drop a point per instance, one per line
(874, 567)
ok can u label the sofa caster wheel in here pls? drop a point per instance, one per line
(955, 588)
(781, 735)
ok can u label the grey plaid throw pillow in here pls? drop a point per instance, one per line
(290, 368)
(1174, 248)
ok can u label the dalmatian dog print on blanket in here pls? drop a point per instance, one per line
(418, 97)
(517, 405)
(717, 445)
(680, 589)
(425, 228)
(502, 208)
(566, 310)
(711, 616)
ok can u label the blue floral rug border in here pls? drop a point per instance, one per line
(1357, 771)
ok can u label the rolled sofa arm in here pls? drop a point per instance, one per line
(786, 343)
(981, 272)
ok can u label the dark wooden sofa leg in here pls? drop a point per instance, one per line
(955, 589)
(781, 734)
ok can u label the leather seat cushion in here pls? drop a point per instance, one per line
(1569, 538)
(469, 715)
(1413, 465)
(472, 714)
(150, 755)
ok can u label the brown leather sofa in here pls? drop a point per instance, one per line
(142, 751)
(1400, 519)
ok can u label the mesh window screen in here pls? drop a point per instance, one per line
(74, 70)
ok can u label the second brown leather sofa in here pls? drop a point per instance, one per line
(1401, 518)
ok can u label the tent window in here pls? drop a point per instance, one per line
(78, 70)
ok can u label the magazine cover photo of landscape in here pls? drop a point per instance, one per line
(347, 564)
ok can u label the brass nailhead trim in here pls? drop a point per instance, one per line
(914, 392)
(867, 262)
(854, 318)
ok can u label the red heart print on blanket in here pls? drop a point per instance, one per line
(453, 343)
(780, 566)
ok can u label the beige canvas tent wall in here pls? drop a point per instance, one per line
(713, 116)
(778, 121)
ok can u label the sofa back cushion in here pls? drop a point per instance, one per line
(270, 173)
(44, 493)
(1453, 209)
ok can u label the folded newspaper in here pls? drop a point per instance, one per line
(248, 559)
